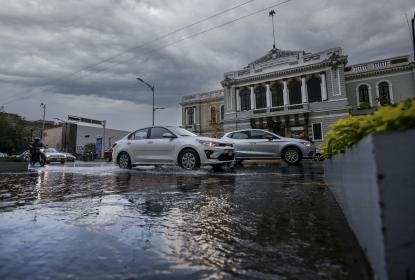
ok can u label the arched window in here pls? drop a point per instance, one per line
(384, 94)
(190, 116)
(213, 114)
(364, 101)
(245, 97)
(277, 94)
(314, 89)
(260, 97)
(294, 90)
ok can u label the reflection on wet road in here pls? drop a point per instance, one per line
(95, 221)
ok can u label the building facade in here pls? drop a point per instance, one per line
(371, 84)
(298, 94)
(203, 113)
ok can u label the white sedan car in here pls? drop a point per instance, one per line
(171, 145)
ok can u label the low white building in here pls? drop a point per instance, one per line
(72, 137)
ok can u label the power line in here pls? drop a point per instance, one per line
(179, 40)
(202, 32)
(140, 46)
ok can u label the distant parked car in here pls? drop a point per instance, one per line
(262, 144)
(3, 155)
(108, 155)
(52, 155)
(70, 157)
(171, 145)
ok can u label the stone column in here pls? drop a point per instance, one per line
(323, 86)
(194, 115)
(285, 94)
(304, 94)
(231, 102)
(238, 101)
(268, 94)
(184, 116)
(252, 98)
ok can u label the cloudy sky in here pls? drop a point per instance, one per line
(82, 57)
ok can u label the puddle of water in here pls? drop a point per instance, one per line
(98, 222)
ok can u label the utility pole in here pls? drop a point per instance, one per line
(271, 14)
(44, 116)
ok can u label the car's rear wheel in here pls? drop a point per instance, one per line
(124, 161)
(291, 155)
(189, 159)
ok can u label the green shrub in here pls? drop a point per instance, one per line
(13, 159)
(348, 131)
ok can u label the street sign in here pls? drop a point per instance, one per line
(98, 146)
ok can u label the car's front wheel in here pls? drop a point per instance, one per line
(189, 159)
(291, 155)
(124, 161)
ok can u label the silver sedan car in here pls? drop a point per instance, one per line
(262, 144)
(171, 145)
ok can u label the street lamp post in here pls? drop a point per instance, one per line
(44, 115)
(152, 90)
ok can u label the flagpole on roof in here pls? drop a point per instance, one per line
(271, 14)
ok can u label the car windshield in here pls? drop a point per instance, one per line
(181, 131)
(50, 150)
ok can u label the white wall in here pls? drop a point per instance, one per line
(53, 137)
(96, 132)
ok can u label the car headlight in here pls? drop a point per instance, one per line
(307, 144)
(209, 143)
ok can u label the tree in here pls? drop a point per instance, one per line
(14, 134)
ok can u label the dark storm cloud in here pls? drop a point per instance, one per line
(43, 42)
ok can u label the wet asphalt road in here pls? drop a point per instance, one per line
(95, 221)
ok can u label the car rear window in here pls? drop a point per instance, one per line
(240, 135)
(139, 134)
(259, 134)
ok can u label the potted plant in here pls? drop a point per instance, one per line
(370, 168)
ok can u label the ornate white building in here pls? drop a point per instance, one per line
(298, 94)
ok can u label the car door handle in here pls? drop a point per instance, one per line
(150, 142)
(128, 143)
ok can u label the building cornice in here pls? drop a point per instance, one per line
(378, 72)
(290, 71)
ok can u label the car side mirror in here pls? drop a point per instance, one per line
(269, 137)
(168, 135)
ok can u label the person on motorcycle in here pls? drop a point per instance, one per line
(35, 147)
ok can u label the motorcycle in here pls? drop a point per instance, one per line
(37, 156)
